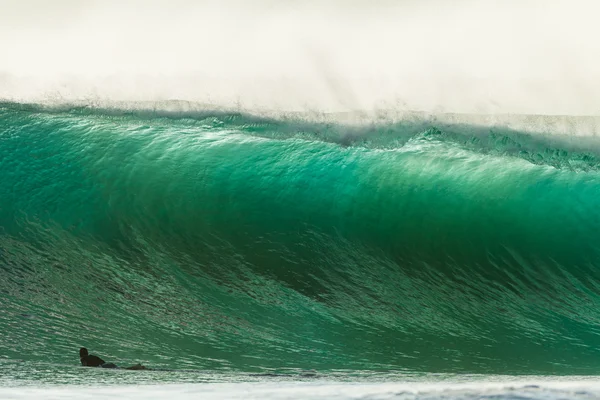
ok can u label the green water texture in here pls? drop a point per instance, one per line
(222, 241)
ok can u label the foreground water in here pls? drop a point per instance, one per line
(222, 245)
(27, 380)
(33, 380)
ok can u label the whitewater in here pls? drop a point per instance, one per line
(349, 200)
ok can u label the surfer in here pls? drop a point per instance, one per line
(90, 360)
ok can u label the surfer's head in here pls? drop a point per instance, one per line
(83, 352)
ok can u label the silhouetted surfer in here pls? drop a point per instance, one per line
(90, 360)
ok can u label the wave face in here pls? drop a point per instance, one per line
(225, 241)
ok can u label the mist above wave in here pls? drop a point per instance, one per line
(470, 57)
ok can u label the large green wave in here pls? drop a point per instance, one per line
(226, 241)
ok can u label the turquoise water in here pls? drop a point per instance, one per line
(232, 243)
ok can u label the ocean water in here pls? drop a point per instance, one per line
(300, 199)
(265, 255)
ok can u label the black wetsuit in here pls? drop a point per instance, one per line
(91, 360)
(94, 361)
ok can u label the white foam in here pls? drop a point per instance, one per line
(317, 390)
(467, 56)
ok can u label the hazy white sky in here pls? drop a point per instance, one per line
(524, 56)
